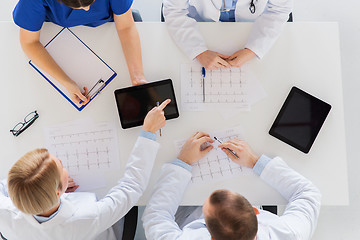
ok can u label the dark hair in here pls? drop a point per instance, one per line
(77, 3)
(231, 217)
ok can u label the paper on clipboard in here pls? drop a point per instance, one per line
(78, 61)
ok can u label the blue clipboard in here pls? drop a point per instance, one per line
(100, 82)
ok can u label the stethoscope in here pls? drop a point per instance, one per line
(252, 7)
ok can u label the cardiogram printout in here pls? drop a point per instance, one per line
(216, 165)
(86, 150)
(233, 89)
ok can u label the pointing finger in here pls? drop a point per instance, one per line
(164, 104)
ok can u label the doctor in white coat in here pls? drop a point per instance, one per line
(268, 16)
(222, 211)
(73, 215)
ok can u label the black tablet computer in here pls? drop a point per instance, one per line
(300, 119)
(135, 102)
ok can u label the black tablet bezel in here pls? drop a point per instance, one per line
(272, 132)
(145, 86)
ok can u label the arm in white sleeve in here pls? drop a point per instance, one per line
(182, 28)
(125, 195)
(302, 211)
(4, 188)
(159, 215)
(268, 26)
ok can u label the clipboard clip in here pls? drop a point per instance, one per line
(99, 85)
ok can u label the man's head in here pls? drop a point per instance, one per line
(36, 182)
(229, 216)
(78, 4)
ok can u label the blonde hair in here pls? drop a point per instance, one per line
(33, 181)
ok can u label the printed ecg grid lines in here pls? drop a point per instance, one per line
(216, 165)
(84, 149)
(221, 86)
(224, 88)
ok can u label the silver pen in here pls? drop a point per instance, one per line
(231, 151)
(157, 104)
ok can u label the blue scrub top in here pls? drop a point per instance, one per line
(31, 14)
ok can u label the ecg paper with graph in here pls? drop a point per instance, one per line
(224, 88)
(216, 165)
(84, 149)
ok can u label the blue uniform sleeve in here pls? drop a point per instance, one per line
(120, 6)
(149, 135)
(261, 164)
(182, 164)
(30, 14)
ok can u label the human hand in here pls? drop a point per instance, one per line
(191, 152)
(247, 157)
(240, 57)
(71, 185)
(136, 82)
(76, 95)
(211, 60)
(155, 118)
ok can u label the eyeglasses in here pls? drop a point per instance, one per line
(252, 7)
(22, 126)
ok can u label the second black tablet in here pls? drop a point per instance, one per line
(135, 102)
(300, 119)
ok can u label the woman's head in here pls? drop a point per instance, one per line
(36, 182)
(78, 4)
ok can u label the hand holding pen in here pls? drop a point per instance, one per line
(239, 152)
(155, 118)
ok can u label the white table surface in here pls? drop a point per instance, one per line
(307, 55)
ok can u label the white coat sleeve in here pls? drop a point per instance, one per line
(6, 205)
(182, 28)
(268, 26)
(3, 188)
(159, 215)
(125, 195)
(302, 212)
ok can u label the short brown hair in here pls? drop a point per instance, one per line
(231, 217)
(33, 181)
(77, 3)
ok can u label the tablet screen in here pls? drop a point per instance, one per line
(300, 119)
(135, 102)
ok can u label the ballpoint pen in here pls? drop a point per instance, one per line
(203, 72)
(231, 151)
(157, 104)
(99, 89)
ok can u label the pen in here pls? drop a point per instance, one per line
(203, 82)
(98, 82)
(157, 104)
(231, 151)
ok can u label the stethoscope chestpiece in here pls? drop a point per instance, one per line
(252, 7)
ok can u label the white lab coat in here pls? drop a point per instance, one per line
(298, 221)
(81, 216)
(181, 17)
